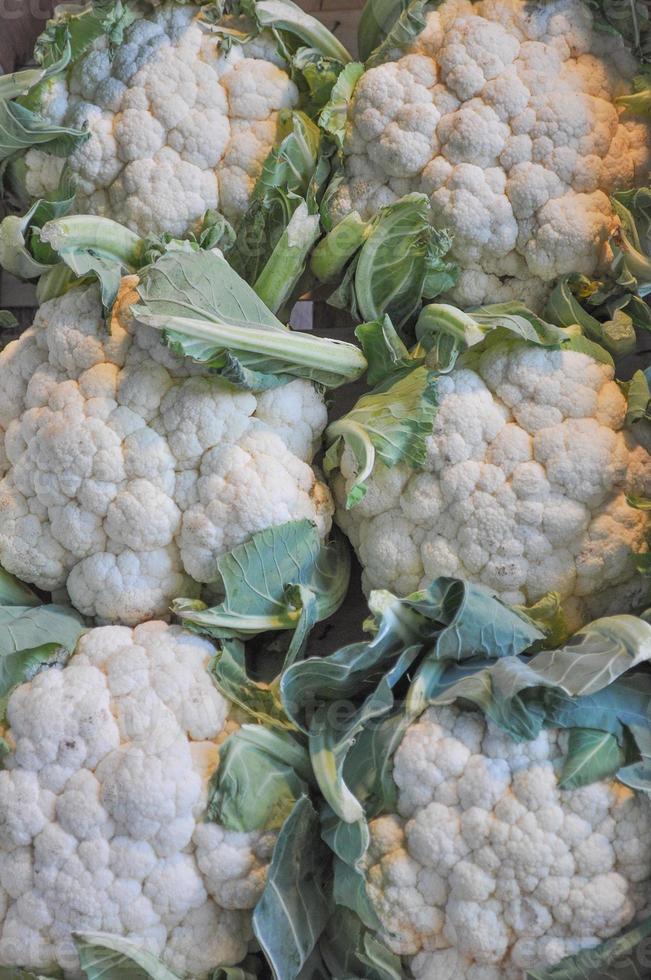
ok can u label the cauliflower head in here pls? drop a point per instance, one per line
(101, 801)
(126, 472)
(524, 488)
(503, 113)
(489, 869)
(177, 126)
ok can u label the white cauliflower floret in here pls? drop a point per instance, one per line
(101, 809)
(494, 878)
(125, 472)
(176, 127)
(504, 115)
(524, 489)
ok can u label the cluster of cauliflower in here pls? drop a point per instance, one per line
(101, 800)
(524, 489)
(489, 869)
(126, 471)
(176, 125)
(503, 113)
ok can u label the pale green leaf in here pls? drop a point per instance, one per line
(638, 400)
(442, 274)
(393, 261)
(92, 245)
(472, 626)
(260, 699)
(19, 83)
(287, 16)
(448, 334)
(107, 957)
(22, 253)
(334, 115)
(15, 593)
(16, 257)
(583, 345)
(207, 312)
(261, 775)
(294, 907)
(344, 296)
(548, 614)
(521, 700)
(369, 765)
(631, 243)
(378, 17)
(215, 233)
(319, 74)
(260, 580)
(629, 20)
(626, 703)
(385, 265)
(391, 423)
(80, 25)
(33, 637)
(516, 319)
(27, 627)
(20, 126)
(22, 129)
(637, 775)
(565, 310)
(615, 959)
(444, 332)
(591, 756)
(351, 951)
(495, 687)
(401, 25)
(330, 744)
(472, 622)
(596, 655)
(384, 350)
(452, 620)
(292, 174)
(348, 841)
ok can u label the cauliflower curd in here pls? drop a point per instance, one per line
(124, 470)
(503, 113)
(177, 126)
(524, 489)
(101, 800)
(489, 869)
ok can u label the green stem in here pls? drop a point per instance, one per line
(328, 601)
(331, 782)
(634, 262)
(286, 264)
(88, 232)
(54, 282)
(639, 103)
(340, 358)
(358, 441)
(438, 318)
(338, 247)
(288, 16)
(217, 618)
